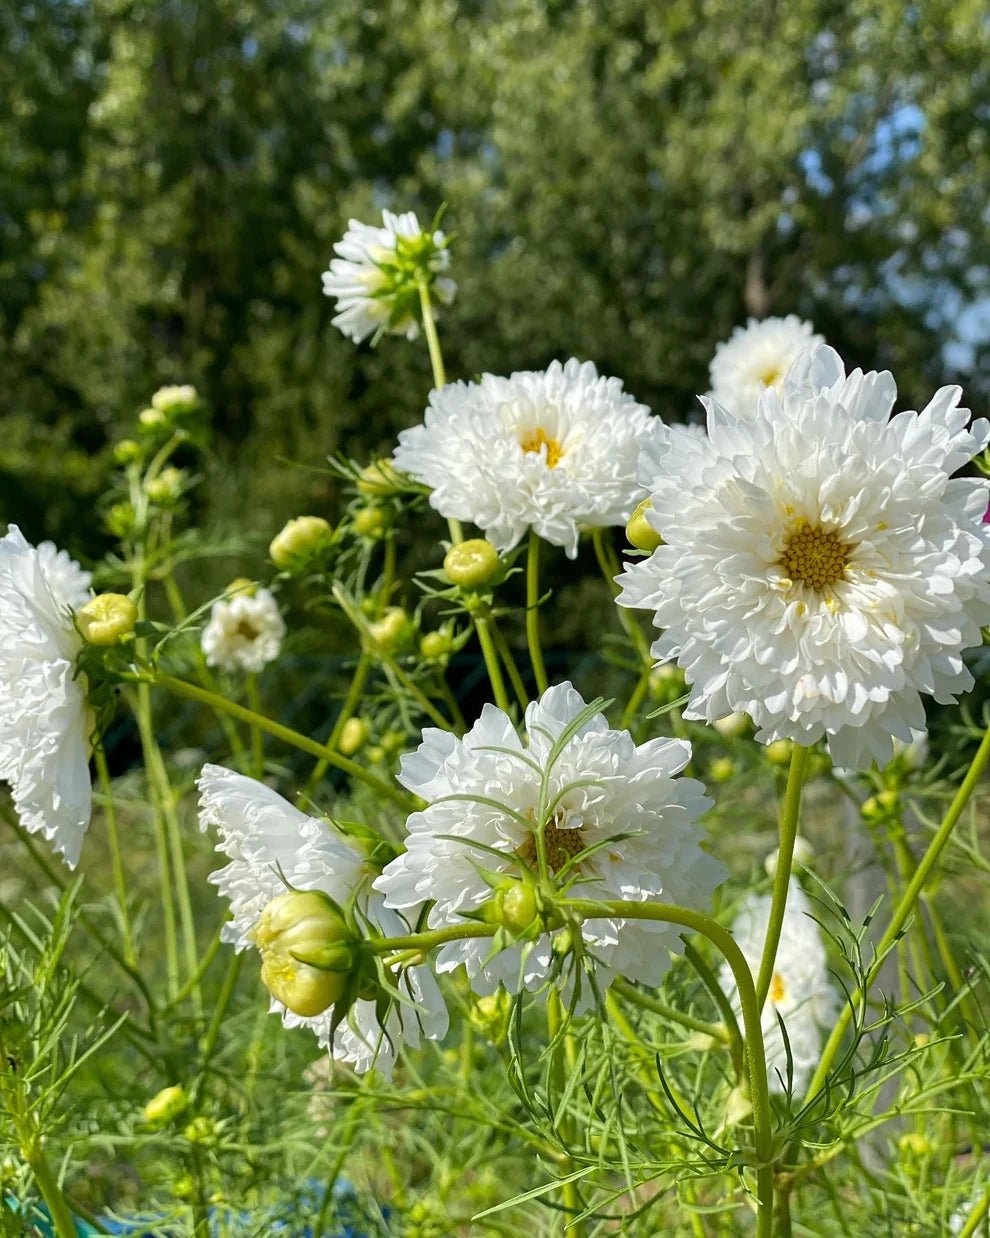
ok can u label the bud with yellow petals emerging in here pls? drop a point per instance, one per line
(472, 564)
(300, 540)
(639, 532)
(107, 619)
(379, 480)
(166, 1105)
(305, 958)
(393, 630)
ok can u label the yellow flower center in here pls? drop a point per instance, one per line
(772, 377)
(778, 989)
(534, 440)
(246, 629)
(815, 557)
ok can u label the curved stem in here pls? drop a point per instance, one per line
(908, 899)
(717, 1031)
(286, 735)
(432, 938)
(789, 817)
(533, 612)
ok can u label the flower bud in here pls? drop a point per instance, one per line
(166, 1105)
(120, 519)
(489, 1015)
(915, 1144)
(152, 420)
(299, 541)
(392, 631)
(722, 769)
(435, 646)
(176, 403)
(166, 487)
(804, 853)
(201, 1129)
(471, 564)
(242, 587)
(305, 956)
(107, 618)
(379, 480)
(879, 807)
(127, 451)
(370, 521)
(667, 683)
(779, 752)
(516, 906)
(353, 734)
(639, 532)
(732, 725)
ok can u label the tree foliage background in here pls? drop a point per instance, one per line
(626, 181)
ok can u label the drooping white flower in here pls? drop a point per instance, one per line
(244, 632)
(550, 451)
(822, 569)
(375, 276)
(755, 357)
(44, 720)
(484, 802)
(800, 991)
(271, 846)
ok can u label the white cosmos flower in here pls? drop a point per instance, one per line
(755, 357)
(484, 792)
(374, 276)
(272, 845)
(244, 633)
(822, 569)
(800, 991)
(550, 451)
(44, 720)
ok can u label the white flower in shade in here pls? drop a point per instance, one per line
(755, 357)
(375, 276)
(484, 802)
(960, 1218)
(822, 569)
(800, 992)
(271, 845)
(549, 451)
(244, 632)
(44, 720)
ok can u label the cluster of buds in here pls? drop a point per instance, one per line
(172, 409)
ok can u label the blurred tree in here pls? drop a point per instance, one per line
(626, 181)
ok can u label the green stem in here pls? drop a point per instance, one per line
(488, 652)
(721, 1000)
(558, 1074)
(635, 700)
(717, 1031)
(980, 1210)
(789, 818)
(219, 1012)
(257, 738)
(908, 899)
(351, 702)
(610, 569)
(431, 938)
(51, 1193)
(116, 860)
(287, 735)
(533, 612)
(509, 662)
(439, 373)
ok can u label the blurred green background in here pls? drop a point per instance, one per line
(626, 180)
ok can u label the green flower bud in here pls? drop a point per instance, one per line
(879, 807)
(299, 541)
(120, 519)
(667, 683)
(722, 769)
(436, 646)
(370, 522)
(472, 564)
(241, 587)
(106, 619)
(152, 420)
(914, 1144)
(176, 403)
(353, 734)
(376, 754)
(166, 1105)
(779, 752)
(166, 487)
(127, 451)
(379, 480)
(301, 937)
(517, 907)
(490, 1015)
(732, 725)
(201, 1129)
(393, 630)
(639, 532)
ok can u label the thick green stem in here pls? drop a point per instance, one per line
(51, 1193)
(257, 738)
(116, 860)
(288, 736)
(533, 612)
(980, 1210)
(789, 818)
(556, 1035)
(610, 569)
(505, 653)
(906, 906)
(489, 653)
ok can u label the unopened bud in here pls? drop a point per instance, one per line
(300, 540)
(176, 403)
(721, 769)
(471, 564)
(915, 1144)
(242, 587)
(732, 725)
(780, 751)
(517, 906)
(305, 957)
(370, 522)
(353, 734)
(639, 532)
(127, 451)
(392, 630)
(107, 618)
(166, 1105)
(879, 807)
(436, 645)
(120, 519)
(201, 1129)
(152, 420)
(379, 480)
(166, 487)
(667, 683)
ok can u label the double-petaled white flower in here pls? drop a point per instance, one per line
(376, 274)
(800, 992)
(273, 846)
(822, 570)
(244, 632)
(755, 357)
(614, 818)
(552, 451)
(44, 721)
